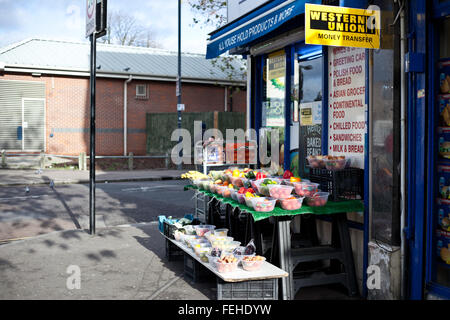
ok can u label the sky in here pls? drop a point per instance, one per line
(65, 20)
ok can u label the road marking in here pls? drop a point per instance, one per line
(144, 189)
(22, 198)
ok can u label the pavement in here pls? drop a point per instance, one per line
(119, 263)
(59, 176)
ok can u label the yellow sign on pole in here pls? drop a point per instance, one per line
(342, 27)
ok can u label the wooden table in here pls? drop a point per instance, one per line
(267, 271)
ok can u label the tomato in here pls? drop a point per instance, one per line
(242, 191)
(287, 174)
(260, 176)
(250, 190)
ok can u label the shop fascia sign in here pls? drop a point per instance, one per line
(238, 8)
(342, 27)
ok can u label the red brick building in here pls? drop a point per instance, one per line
(45, 101)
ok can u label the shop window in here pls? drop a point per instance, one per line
(309, 79)
(274, 96)
(273, 113)
(385, 121)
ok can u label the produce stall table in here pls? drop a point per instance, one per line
(340, 252)
(263, 284)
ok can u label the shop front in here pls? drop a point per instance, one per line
(428, 223)
(328, 100)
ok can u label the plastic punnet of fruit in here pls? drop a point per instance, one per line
(202, 249)
(280, 191)
(263, 185)
(336, 163)
(202, 229)
(306, 189)
(264, 204)
(249, 199)
(319, 199)
(252, 263)
(221, 232)
(238, 181)
(226, 192)
(227, 263)
(190, 230)
(292, 203)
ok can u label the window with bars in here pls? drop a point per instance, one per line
(142, 91)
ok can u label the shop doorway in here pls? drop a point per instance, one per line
(438, 218)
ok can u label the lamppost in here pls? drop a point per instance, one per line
(179, 79)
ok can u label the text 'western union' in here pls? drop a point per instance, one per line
(344, 22)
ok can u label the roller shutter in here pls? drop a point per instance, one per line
(22, 115)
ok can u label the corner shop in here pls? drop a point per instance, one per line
(279, 58)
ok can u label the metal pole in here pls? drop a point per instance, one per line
(92, 142)
(179, 77)
(403, 134)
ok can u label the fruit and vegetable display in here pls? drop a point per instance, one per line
(292, 203)
(328, 162)
(319, 199)
(264, 204)
(252, 263)
(306, 189)
(194, 175)
(202, 229)
(263, 185)
(280, 192)
(227, 263)
(336, 163)
(213, 246)
(262, 192)
(316, 161)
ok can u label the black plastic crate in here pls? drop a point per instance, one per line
(341, 185)
(173, 251)
(247, 290)
(195, 271)
(169, 230)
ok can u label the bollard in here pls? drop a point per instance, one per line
(130, 161)
(84, 160)
(3, 159)
(80, 162)
(167, 160)
(42, 161)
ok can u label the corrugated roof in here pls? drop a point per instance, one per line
(74, 56)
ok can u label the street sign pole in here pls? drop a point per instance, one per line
(96, 24)
(179, 78)
(92, 142)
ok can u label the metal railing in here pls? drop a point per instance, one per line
(82, 158)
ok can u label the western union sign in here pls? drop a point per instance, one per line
(342, 27)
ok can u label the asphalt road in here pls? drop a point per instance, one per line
(66, 207)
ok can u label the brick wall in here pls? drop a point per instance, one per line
(68, 110)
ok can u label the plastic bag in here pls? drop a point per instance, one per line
(250, 248)
(216, 252)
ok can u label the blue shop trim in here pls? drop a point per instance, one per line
(254, 26)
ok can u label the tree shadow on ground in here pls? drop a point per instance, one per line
(155, 242)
